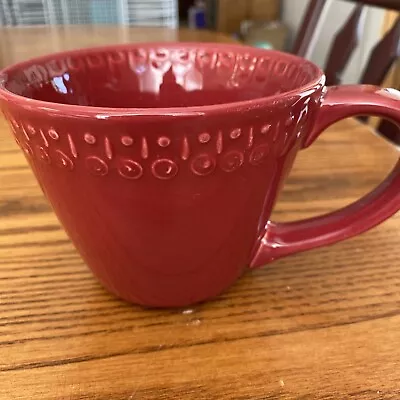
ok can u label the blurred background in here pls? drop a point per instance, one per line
(131, 12)
(265, 23)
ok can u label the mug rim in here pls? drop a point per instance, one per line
(106, 112)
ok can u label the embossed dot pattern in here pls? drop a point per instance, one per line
(130, 169)
(164, 169)
(223, 152)
(259, 154)
(53, 134)
(235, 133)
(31, 129)
(42, 154)
(163, 141)
(127, 140)
(89, 138)
(63, 161)
(231, 161)
(96, 166)
(203, 165)
(204, 137)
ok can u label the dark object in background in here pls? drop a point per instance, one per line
(197, 15)
(183, 7)
(381, 59)
(211, 14)
(389, 4)
(305, 34)
(345, 42)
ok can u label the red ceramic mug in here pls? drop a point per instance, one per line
(163, 161)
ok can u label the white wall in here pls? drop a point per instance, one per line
(332, 20)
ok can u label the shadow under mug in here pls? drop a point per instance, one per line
(163, 161)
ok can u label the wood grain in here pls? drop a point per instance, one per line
(319, 325)
(18, 44)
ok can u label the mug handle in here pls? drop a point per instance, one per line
(339, 102)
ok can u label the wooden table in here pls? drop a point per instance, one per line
(319, 325)
(17, 44)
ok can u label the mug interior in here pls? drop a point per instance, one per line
(159, 76)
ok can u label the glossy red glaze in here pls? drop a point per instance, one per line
(163, 162)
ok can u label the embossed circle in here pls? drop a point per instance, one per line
(42, 154)
(226, 59)
(203, 165)
(95, 60)
(89, 138)
(235, 133)
(75, 64)
(204, 137)
(130, 169)
(163, 141)
(31, 129)
(162, 54)
(53, 134)
(56, 67)
(117, 57)
(27, 149)
(231, 161)
(183, 55)
(259, 154)
(126, 140)
(96, 166)
(63, 161)
(205, 57)
(164, 169)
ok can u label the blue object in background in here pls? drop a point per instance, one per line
(201, 19)
(197, 15)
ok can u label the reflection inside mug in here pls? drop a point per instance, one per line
(159, 77)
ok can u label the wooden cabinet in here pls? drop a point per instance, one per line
(226, 15)
(230, 14)
(264, 10)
